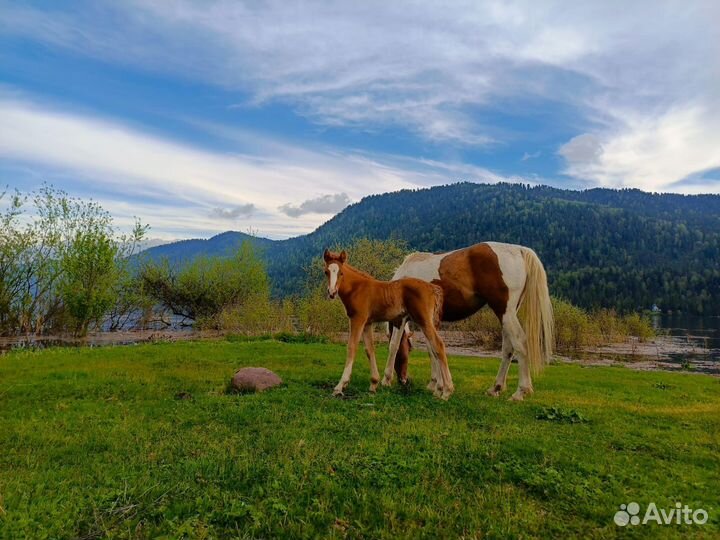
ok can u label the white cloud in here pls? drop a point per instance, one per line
(181, 190)
(429, 66)
(231, 214)
(325, 204)
(649, 153)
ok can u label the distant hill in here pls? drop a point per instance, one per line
(602, 248)
(221, 245)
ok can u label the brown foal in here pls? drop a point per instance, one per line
(368, 300)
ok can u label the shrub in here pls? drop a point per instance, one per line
(256, 314)
(574, 327)
(202, 289)
(638, 326)
(319, 316)
(612, 327)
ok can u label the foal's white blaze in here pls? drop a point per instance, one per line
(334, 269)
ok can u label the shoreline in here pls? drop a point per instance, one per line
(664, 353)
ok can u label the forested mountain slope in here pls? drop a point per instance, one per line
(615, 248)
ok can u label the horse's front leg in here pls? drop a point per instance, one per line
(397, 333)
(356, 330)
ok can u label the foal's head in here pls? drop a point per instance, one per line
(334, 270)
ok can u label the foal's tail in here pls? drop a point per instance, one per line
(539, 324)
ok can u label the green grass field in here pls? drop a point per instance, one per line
(103, 443)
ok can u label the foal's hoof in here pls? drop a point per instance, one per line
(373, 388)
(386, 381)
(446, 393)
(432, 385)
(338, 392)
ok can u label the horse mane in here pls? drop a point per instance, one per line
(358, 271)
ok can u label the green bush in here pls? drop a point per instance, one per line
(320, 316)
(574, 327)
(201, 290)
(256, 314)
(638, 326)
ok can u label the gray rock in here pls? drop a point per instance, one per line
(254, 379)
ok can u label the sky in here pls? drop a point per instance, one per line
(271, 117)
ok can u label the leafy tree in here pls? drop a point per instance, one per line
(202, 289)
(60, 261)
(93, 285)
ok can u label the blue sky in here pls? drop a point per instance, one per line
(199, 117)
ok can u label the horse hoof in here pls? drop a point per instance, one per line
(338, 392)
(520, 394)
(386, 381)
(446, 395)
(432, 385)
(373, 388)
(495, 390)
(438, 393)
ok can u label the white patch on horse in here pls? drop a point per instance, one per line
(333, 269)
(512, 267)
(425, 266)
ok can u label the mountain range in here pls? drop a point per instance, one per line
(624, 249)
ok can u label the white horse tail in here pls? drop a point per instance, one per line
(539, 323)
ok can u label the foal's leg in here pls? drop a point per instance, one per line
(517, 337)
(436, 382)
(397, 333)
(370, 351)
(356, 330)
(501, 379)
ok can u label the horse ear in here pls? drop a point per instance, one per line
(343, 256)
(326, 255)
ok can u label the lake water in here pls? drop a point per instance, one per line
(699, 335)
(703, 331)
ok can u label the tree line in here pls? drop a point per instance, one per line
(620, 249)
(65, 268)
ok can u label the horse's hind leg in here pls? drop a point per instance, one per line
(517, 338)
(397, 333)
(501, 379)
(370, 351)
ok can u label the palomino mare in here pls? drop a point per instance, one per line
(503, 276)
(368, 300)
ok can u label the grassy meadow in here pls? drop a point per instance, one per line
(143, 441)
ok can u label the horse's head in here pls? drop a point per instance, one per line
(334, 270)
